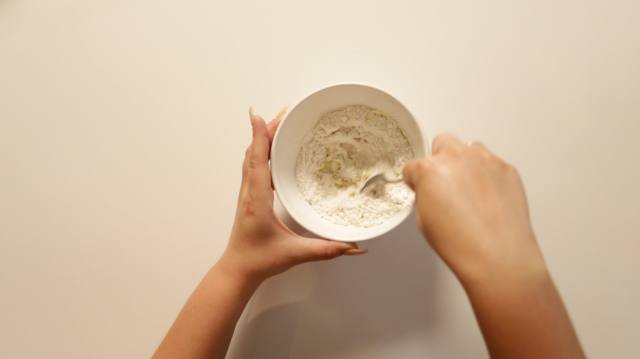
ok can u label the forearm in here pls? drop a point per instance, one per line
(521, 314)
(206, 323)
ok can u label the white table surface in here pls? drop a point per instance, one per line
(123, 125)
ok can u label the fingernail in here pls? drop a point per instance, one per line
(251, 115)
(349, 245)
(355, 252)
(282, 112)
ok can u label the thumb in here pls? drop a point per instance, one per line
(409, 173)
(416, 171)
(312, 249)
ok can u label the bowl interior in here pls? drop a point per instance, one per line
(288, 140)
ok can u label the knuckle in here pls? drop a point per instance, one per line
(329, 253)
(247, 207)
(424, 167)
(457, 151)
(477, 150)
(426, 170)
(486, 155)
(418, 170)
(466, 151)
(442, 136)
(439, 136)
(510, 170)
(508, 167)
(253, 180)
(472, 149)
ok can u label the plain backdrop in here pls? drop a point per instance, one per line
(123, 125)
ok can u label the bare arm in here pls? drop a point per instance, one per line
(206, 323)
(473, 210)
(260, 246)
(521, 315)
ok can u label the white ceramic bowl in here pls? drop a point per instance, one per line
(288, 140)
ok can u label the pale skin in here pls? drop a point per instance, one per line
(472, 209)
(260, 246)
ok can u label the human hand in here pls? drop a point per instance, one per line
(472, 208)
(261, 245)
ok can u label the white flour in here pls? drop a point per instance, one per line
(340, 153)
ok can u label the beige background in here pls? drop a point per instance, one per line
(123, 125)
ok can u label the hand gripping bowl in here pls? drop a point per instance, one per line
(288, 140)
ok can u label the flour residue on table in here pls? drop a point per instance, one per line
(340, 153)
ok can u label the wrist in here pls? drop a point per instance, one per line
(232, 266)
(506, 278)
(500, 269)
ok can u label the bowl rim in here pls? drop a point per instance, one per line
(293, 215)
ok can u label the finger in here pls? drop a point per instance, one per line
(481, 149)
(476, 143)
(407, 173)
(311, 249)
(247, 158)
(260, 142)
(355, 252)
(259, 174)
(282, 112)
(414, 171)
(245, 170)
(251, 115)
(272, 127)
(445, 141)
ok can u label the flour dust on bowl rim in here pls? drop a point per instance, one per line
(300, 120)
